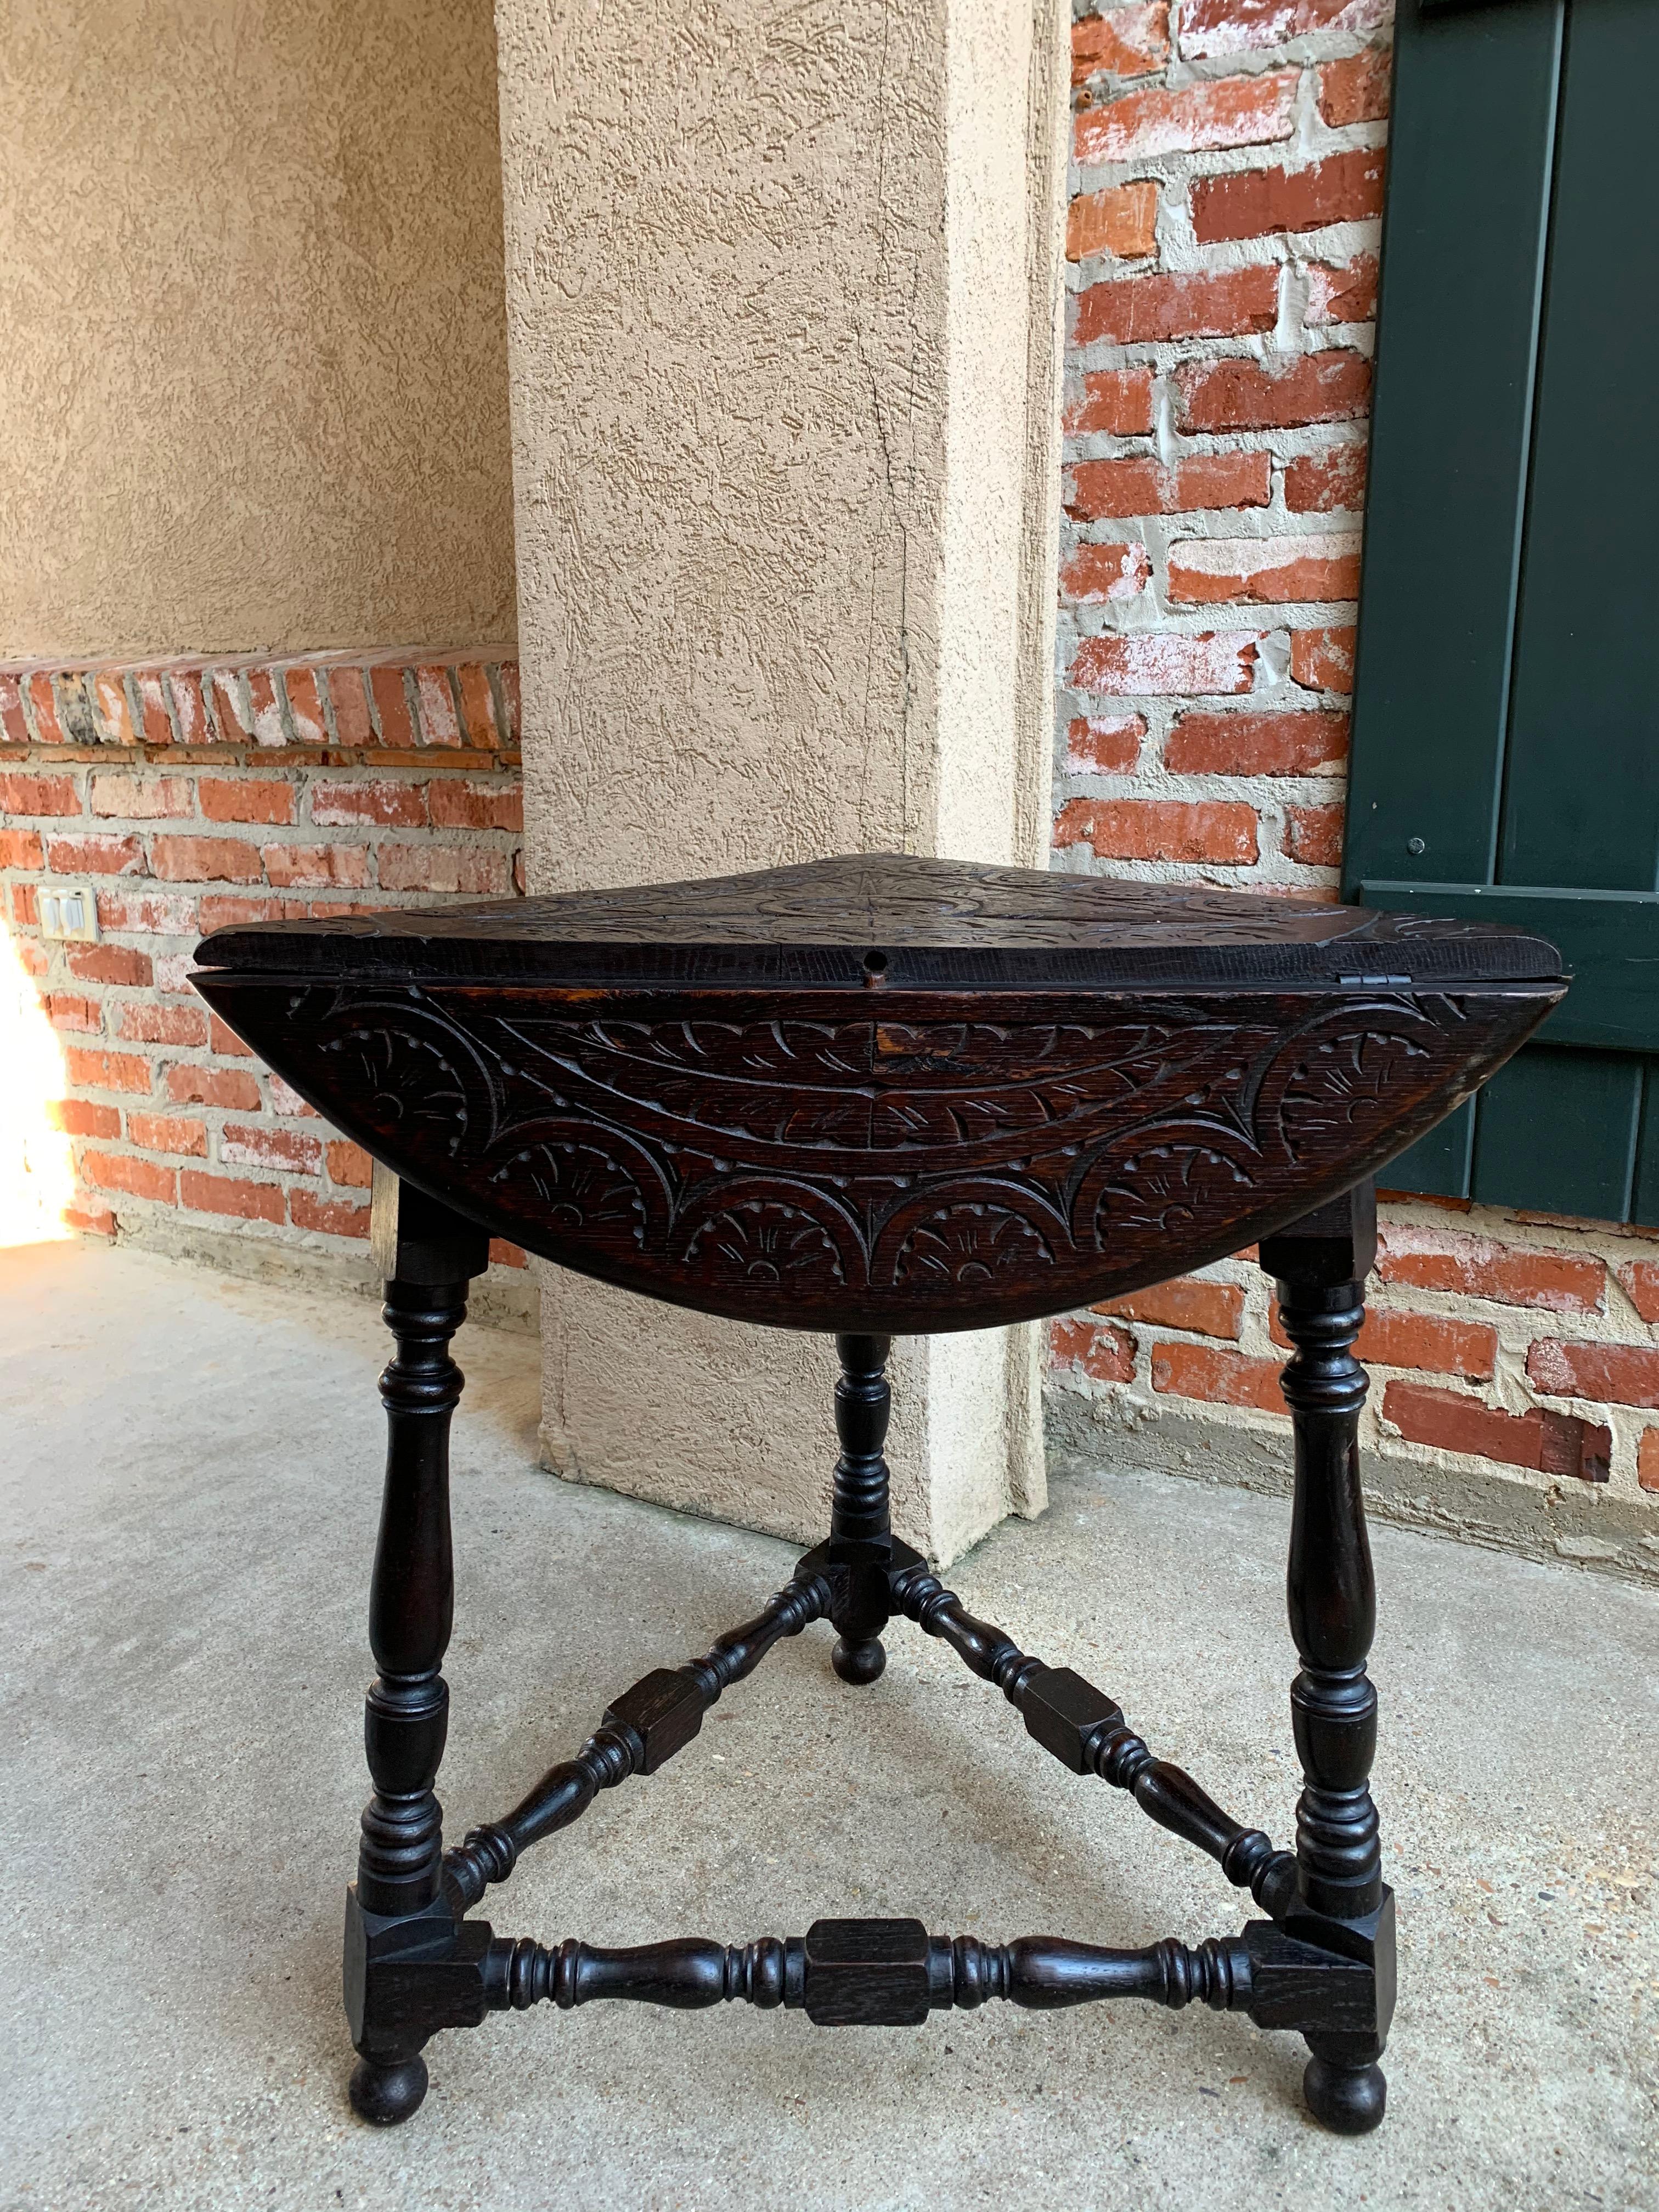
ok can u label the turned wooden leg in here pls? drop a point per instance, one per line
(430, 1256)
(1319, 1265)
(860, 1528)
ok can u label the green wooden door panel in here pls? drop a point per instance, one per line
(1557, 1131)
(1645, 1181)
(1505, 721)
(1458, 311)
(1582, 777)
(1438, 1162)
(1609, 940)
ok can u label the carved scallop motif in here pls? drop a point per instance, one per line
(1348, 1078)
(757, 1243)
(967, 1236)
(582, 1187)
(898, 1166)
(1165, 1183)
(413, 1070)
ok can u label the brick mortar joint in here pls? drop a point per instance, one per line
(345, 656)
(1509, 1392)
(1627, 1424)
(1289, 129)
(279, 759)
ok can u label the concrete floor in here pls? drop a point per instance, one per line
(191, 1478)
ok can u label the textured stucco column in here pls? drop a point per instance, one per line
(782, 294)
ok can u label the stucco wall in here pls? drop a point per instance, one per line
(757, 374)
(723, 225)
(252, 368)
(781, 283)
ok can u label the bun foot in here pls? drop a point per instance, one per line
(1348, 2100)
(382, 2095)
(860, 1661)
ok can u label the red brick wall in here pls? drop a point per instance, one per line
(1497, 1340)
(1223, 237)
(1222, 243)
(188, 797)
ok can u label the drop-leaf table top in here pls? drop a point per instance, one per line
(882, 1093)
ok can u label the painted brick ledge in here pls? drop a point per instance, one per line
(395, 700)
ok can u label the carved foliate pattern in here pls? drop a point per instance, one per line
(970, 1246)
(797, 1162)
(1340, 1081)
(762, 1245)
(582, 1185)
(858, 1089)
(415, 1070)
(1163, 1187)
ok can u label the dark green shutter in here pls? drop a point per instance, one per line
(1506, 702)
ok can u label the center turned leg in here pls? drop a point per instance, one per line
(860, 1524)
(1319, 1266)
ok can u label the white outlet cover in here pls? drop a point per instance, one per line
(70, 910)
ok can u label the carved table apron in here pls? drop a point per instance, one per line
(876, 1095)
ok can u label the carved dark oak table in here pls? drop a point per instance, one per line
(871, 1096)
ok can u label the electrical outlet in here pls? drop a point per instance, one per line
(70, 911)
